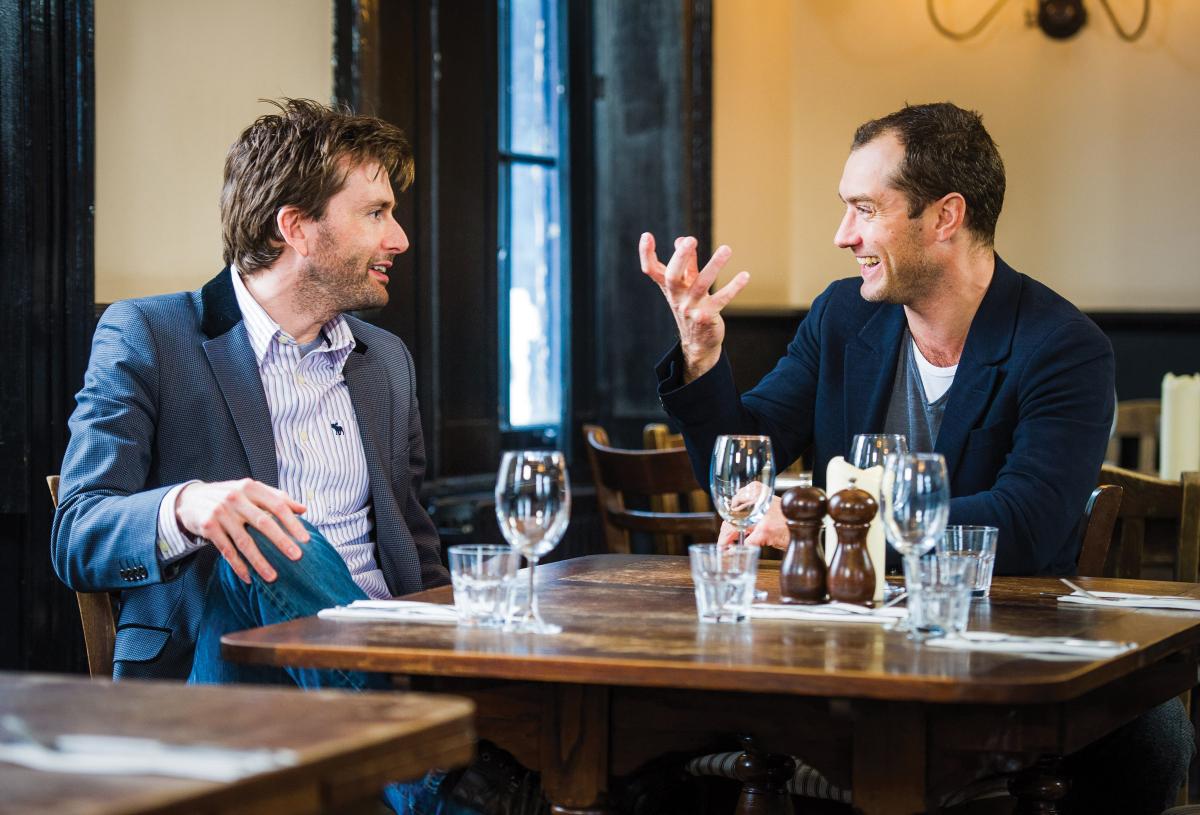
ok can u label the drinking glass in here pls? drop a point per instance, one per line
(870, 449)
(723, 578)
(742, 480)
(941, 603)
(482, 576)
(976, 544)
(914, 500)
(533, 507)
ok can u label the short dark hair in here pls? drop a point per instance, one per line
(300, 157)
(946, 149)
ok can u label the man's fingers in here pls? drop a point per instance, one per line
(728, 534)
(262, 503)
(708, 274)
(228, 551)
(249, 550)
(651, 266)
(681, 266)
(730, 290)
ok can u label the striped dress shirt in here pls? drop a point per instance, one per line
(318, 448)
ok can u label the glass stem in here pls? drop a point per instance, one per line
(533, 606)
(741, 537)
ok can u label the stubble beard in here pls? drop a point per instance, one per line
(330, 285)
(911, 278)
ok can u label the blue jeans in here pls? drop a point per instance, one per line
(319, 579)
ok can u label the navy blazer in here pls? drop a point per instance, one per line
(1024, 431)
(173, 393)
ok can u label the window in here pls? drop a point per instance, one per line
(532, 190)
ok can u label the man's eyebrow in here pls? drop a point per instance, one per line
(381, 203)
(857, 199)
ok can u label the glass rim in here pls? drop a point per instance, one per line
(972, 528)
(480, 549)
(708, 547)
(755, 436)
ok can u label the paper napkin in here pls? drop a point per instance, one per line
(1117, 599)
(828, 612)
(1052, 647)
(409, 611)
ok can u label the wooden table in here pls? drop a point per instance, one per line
(634, 675)
(349, 745)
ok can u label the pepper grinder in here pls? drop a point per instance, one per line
(802, 575)
(851, 574)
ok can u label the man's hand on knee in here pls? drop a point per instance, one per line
(221, 511)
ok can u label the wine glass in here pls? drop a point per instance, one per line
(742, 480)
(914, 500)
(869, 449)
(533, 506)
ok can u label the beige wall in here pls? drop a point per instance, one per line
(1101, 139)
(176, 82)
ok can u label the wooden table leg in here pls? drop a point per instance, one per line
(889, 759)
(574, 749)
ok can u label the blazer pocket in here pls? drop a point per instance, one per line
(140, 643)
(994, 436)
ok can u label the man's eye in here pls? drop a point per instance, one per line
(376, 213)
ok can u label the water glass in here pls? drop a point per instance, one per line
(976, 543)
(939, 594)
(724, 581)
(483, 577)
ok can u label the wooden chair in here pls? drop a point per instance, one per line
(621, 475)
(96, 615)
(1100, 519)
(1158, 526)
(1137, 419)
(657, 436)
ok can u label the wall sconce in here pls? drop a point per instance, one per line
(1058, 19)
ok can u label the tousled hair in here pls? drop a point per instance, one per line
(298, 157)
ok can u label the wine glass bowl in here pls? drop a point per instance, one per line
(533, 508)
(870, 449)
(742, 480)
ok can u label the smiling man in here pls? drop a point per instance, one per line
(938, 339)
(212, 422)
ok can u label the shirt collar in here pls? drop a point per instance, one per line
(264, 331)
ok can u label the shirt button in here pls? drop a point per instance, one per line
(309, 494)
(300, 378)
(303, 435)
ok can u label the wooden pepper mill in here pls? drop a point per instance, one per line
(802, 575)
(852, 575)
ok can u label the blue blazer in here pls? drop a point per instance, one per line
(172, 393)
(1024, 431)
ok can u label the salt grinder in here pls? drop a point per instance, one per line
(851, 574)
(802, 575)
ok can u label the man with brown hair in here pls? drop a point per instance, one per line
(209, 421)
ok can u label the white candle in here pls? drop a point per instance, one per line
(1179, 429)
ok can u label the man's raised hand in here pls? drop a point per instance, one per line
(220, 511)
(697, 313)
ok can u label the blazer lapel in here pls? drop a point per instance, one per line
(369, 395)
(236, 370)
(870, 370)
(989, 342)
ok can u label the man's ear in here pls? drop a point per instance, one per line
(951, 212)
(297, 230)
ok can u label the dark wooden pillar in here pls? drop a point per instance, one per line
(46, 294)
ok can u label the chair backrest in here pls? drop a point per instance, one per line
(657, 436)
(1137, 419)
(1100, 519)
(96, 615)
(621, 475)
(1158, 525)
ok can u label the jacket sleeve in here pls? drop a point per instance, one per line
(781, 406)
(1066, 398)
(105, 529)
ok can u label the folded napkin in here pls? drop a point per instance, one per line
(409, 611)
(1042, 647)
(828, 612)
(1118, 599)
(120, 755)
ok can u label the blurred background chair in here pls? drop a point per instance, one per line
(1100, 521)
(627, 480)
(1137, 428)
(97, 616)
(1157, 535)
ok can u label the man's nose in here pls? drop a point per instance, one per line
(397, 240)
(846, 236)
